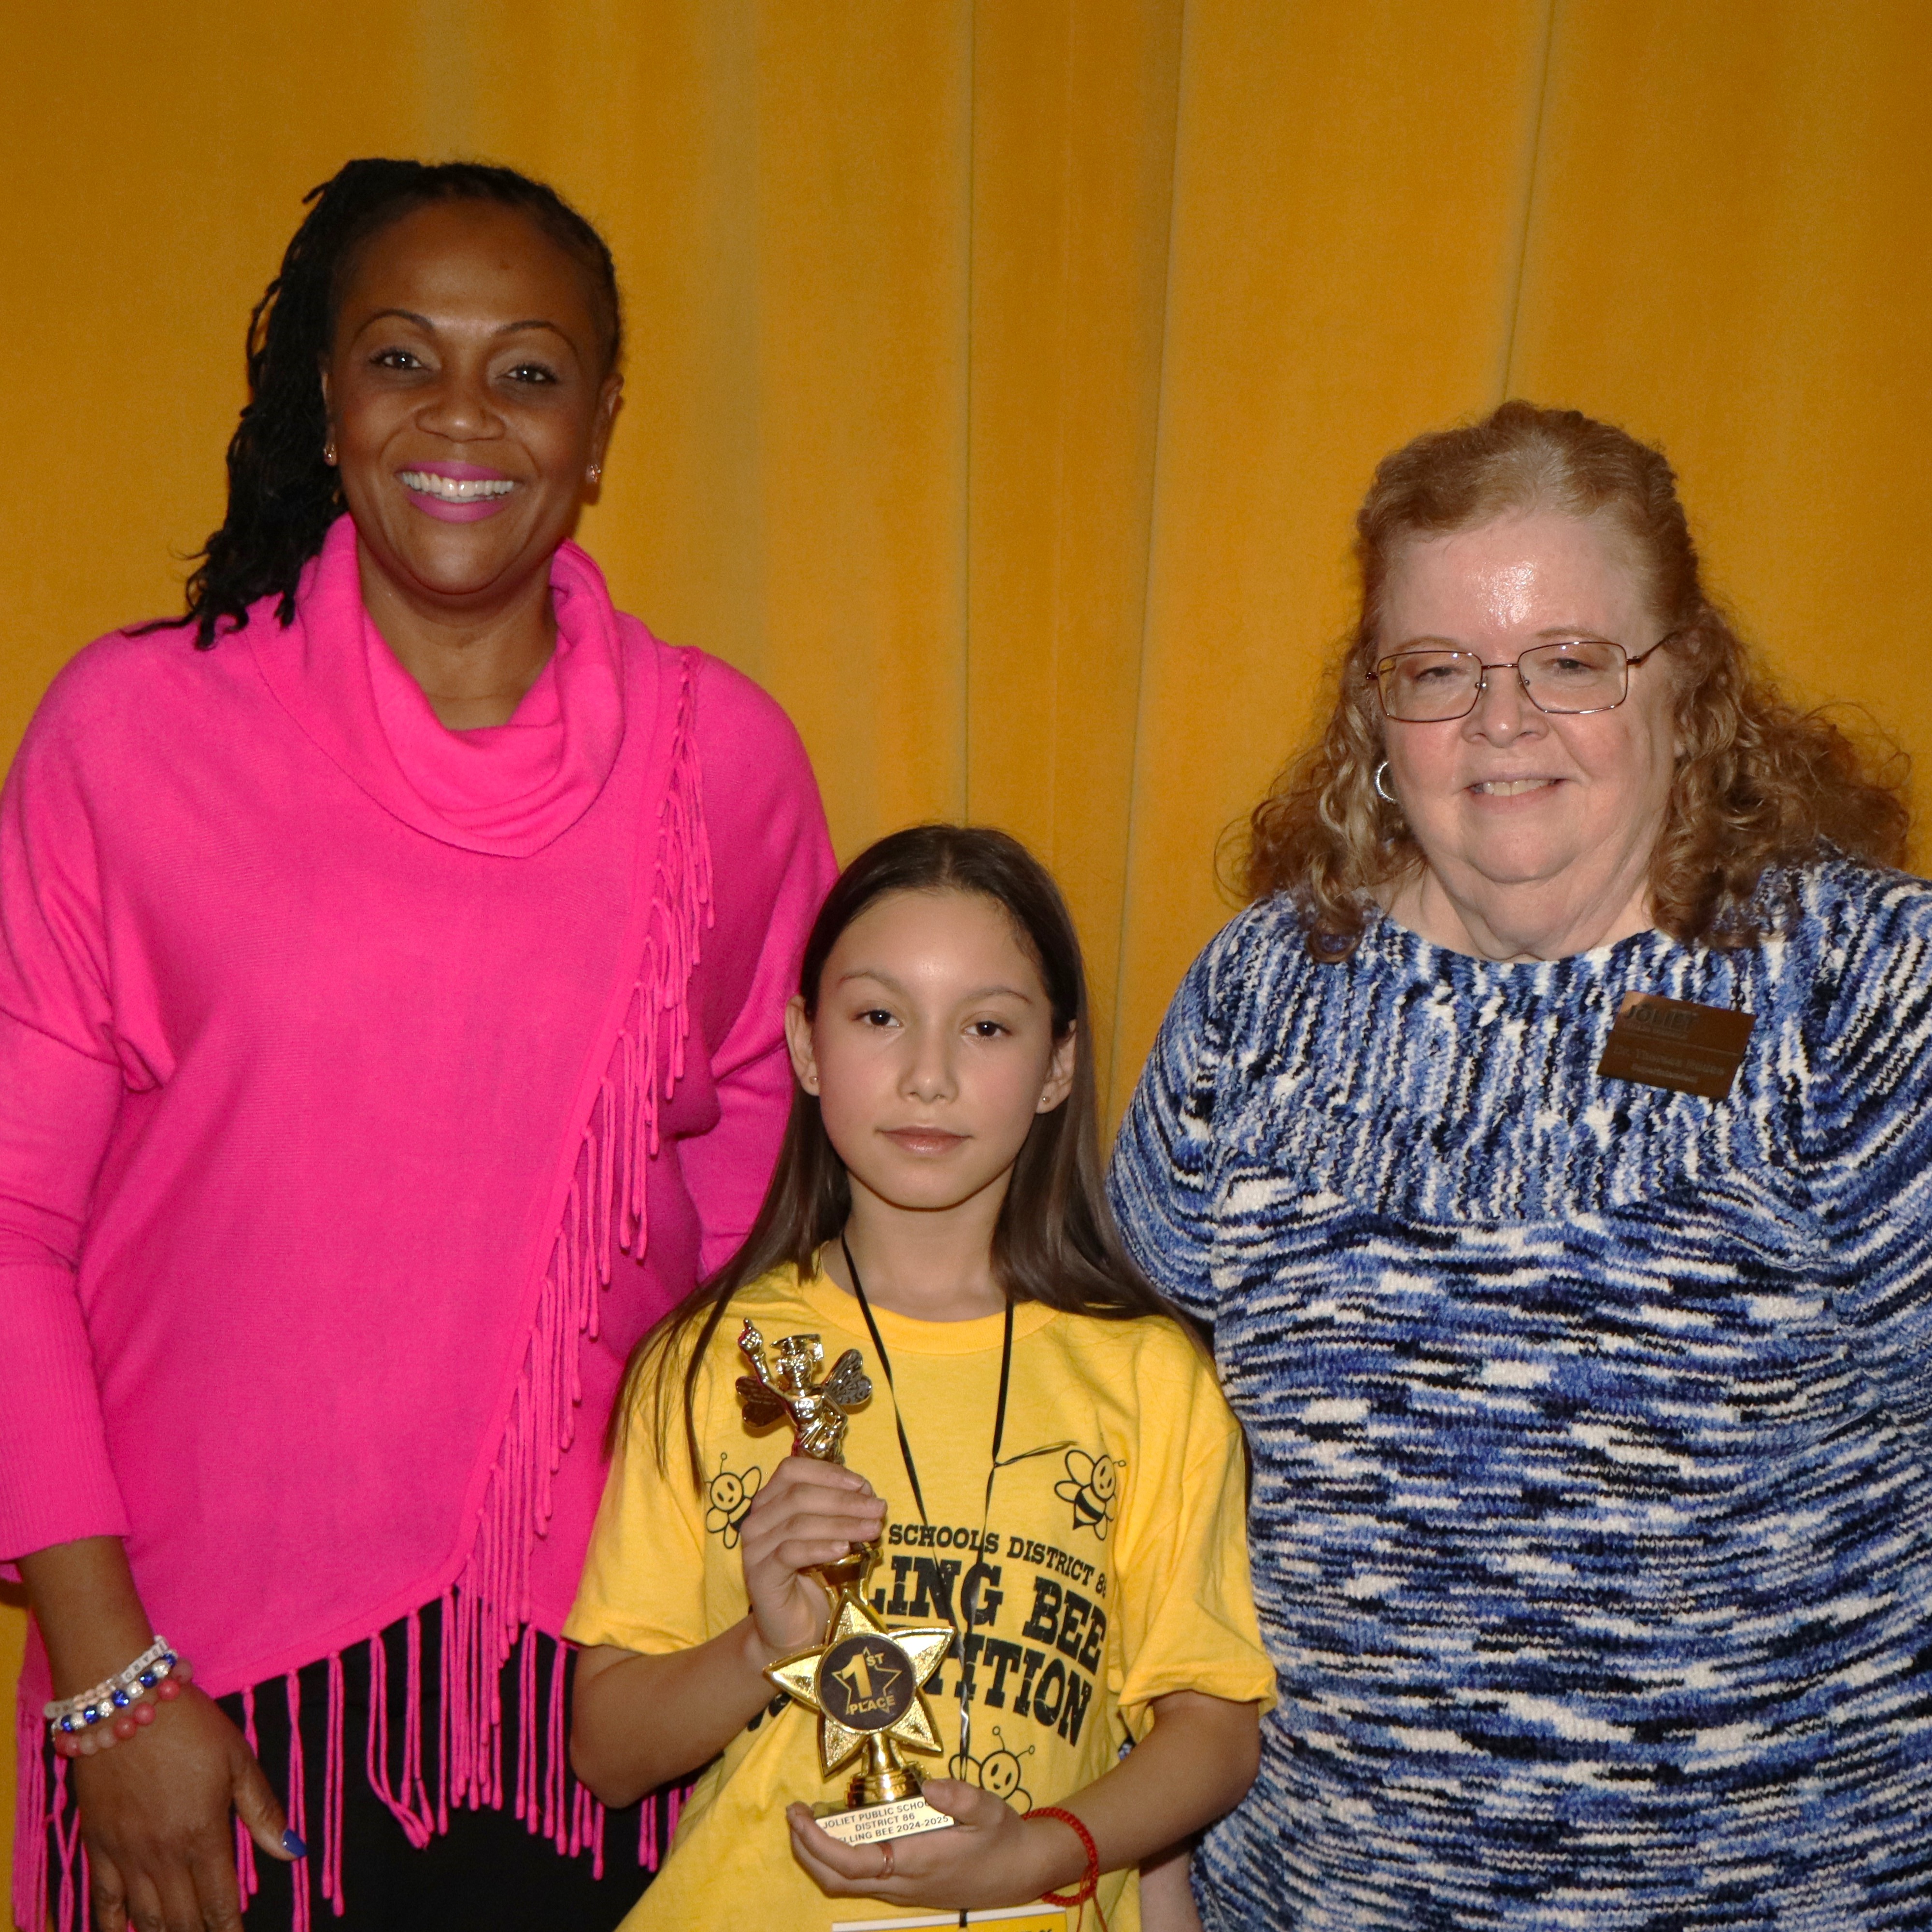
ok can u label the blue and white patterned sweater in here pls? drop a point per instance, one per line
(1592, 1423)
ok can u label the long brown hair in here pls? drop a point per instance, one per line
(1758, 783)
(1055, 1241)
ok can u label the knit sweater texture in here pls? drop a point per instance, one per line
(1591, 1423)
(366, 1089)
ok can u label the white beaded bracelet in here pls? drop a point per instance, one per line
(71, 1719)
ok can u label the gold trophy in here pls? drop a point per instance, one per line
(866, 1682)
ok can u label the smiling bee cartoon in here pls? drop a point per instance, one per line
(1092, 1486)
(729, 1496)
(999, 1772)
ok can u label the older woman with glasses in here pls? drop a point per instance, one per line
(1549, 1146)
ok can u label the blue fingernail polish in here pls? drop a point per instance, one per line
(293, 1846)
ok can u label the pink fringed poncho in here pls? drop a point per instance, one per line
(366, 1089)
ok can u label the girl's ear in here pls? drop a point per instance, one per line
(1059, 1082)
(798, 1042)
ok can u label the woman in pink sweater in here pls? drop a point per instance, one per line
(392, 957)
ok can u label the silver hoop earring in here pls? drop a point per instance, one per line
(1382, 790)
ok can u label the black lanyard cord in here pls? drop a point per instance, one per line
(898, 1419)
(912, 1468)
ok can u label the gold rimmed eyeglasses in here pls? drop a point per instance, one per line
(1569, 679)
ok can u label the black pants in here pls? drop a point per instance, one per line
(487, 1873)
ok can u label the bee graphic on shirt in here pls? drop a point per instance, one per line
(729, 1496)
(1092, 1485)
(999, 1772)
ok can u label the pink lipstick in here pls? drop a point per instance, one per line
(456, 492)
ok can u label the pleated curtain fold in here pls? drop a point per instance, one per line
(1004, 372)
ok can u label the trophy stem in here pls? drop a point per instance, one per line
(886, 1777)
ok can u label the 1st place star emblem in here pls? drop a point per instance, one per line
(865, 1679)
(864, 1683)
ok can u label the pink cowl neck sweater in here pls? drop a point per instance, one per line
(366, 1090)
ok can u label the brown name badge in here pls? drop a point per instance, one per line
(1677, 1044)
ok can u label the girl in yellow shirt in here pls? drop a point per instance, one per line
(1050, 1470)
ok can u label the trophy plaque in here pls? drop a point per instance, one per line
(866, 1682)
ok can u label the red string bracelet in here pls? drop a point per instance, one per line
(1090, 1883)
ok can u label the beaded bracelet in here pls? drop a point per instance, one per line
(1090, 1883)
(116, 1706)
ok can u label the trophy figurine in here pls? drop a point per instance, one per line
(866, 1683)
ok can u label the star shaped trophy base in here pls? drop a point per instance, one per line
(867, 1684)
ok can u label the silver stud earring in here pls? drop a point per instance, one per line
(328, 452)
(596, 473)
(1382, 790)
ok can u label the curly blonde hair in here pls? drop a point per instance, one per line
(1759, 784)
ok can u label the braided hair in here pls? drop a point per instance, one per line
(282, 496)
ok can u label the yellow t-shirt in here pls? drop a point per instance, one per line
(1115, 1570)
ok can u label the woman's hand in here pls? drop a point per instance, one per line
(154, 1808)
(992, 1857)
(809, 1513)
(154, 1816)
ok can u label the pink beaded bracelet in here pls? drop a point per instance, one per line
(115, 1709)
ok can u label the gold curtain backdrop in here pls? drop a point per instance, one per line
(1003, 373)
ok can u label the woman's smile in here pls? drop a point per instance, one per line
(1512, 787)
(456, 492)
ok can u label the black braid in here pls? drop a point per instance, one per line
(282, 496)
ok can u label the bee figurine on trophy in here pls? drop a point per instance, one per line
(866, 1682)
